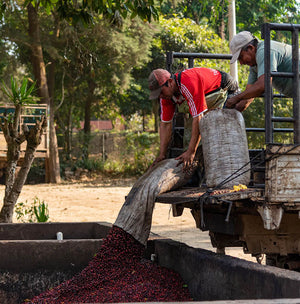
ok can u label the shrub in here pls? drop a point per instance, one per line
(36, 212)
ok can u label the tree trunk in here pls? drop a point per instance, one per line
(12, 192)
(144, 120)
(88, 106)
(87, 117)
(69, 131)
(222, 28)
(39, 71)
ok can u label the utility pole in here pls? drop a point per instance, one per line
(232, 32)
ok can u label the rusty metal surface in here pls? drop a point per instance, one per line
(187, 195)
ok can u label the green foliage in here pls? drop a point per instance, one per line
(184, 35)
(250, 15)
(83, 11)
(41, 211)
(118, 60)
(135, 153)
(142, 147)
(202, 12)
(19, 94)
(101, 56)
(35, 212)
(136, 156)
(174, 34)
(91, 164)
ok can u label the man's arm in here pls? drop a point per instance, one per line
(244, 99)
(165, 135)
(188, 156)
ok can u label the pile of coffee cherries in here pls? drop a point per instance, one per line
(119, 273)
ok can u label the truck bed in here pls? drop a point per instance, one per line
(192, 195)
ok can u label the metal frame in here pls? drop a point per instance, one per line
(173, 151)
(269, 118)
(268, 95)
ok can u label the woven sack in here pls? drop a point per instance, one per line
(225, 148)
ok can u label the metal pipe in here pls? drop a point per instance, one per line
(282, 74)
(201, 55)
(191, 62)
(283, 26)
(283, 130)
(295, 68)
(169, 61)
(283, 119)
(268, 87)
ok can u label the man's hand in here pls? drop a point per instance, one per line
(186, 158)
(157, 160)
(243, 104)
(240, 105)
(231, 102)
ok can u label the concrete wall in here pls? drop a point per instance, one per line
(210, 276)
(30, 265)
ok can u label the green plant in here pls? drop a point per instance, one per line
(41, 211)
(142, 147)
(91, 164)
(19, 95)
(36, 212)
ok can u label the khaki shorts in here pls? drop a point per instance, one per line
(216, 99)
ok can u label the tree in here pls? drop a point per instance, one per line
(14, 138)
(171, 34)
(97, 63)
(250, 15)
(74, 12)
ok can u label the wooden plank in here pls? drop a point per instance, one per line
(187, 195)
(283, 149)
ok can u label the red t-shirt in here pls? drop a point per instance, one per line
(195, 83)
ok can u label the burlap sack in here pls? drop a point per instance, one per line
(225, 148)
(135, 216)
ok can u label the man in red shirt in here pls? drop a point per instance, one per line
(202, 88)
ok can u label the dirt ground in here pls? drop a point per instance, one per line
(97, 200)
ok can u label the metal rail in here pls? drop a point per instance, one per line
(269, 119)
(192, 56)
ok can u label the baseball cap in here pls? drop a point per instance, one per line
(238, 42)
(156, 80)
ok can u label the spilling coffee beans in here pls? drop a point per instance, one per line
(118, 273)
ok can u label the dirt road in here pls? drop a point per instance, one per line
(101, 201)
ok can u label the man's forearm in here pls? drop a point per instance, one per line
(195, 137)
(243, 100)
(165, 137)
(253, 90)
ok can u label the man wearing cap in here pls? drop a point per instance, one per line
(202, 88)
(248, 50)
